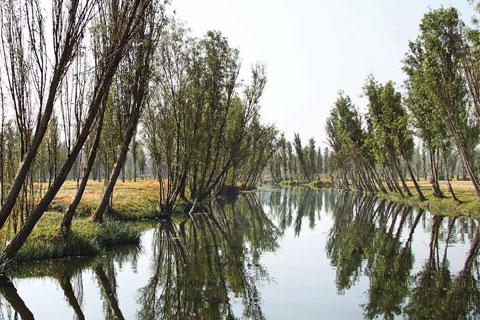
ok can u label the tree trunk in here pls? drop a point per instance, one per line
(421, 197)
(470, 171)
(402, 180)
(447, 175)
(67, 218)
(437, 192)
(27, 161)
(117, 168)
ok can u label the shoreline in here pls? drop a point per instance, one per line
(90, 239)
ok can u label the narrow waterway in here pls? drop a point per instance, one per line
(279, 254)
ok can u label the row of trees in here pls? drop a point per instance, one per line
(375, 152)
(201, 130)
(294, 161)
(115, 79)
(69, 86)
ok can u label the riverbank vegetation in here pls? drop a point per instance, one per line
(433, 124)
(108, 91)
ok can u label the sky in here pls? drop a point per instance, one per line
(312, 49)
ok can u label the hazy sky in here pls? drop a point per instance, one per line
(313, 49)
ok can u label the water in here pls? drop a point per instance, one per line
(281, 254)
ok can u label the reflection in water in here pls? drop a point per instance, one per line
(209, 265)
(18, 307)
(373, 237)
(201, 263)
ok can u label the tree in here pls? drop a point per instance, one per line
(319, 160)
(69, 21)
(301, 156)
(439, 40)
(131, 91)
(312, 157)
(122, 28)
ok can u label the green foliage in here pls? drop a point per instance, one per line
(201, 131)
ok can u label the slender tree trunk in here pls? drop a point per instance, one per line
(117, 167)
(437, 192)
(447, 175)
(18, 240)
(402, 180)
(470, 171)
(67, 218)
(24, 168)
(421, 197)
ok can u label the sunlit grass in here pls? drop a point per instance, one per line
(86, 238)
(469, 205)
(131, 200)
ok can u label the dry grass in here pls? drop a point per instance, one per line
(131, 200)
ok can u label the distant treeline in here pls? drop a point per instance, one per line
(293, 161)
(433, 124)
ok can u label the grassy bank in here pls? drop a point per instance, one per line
(469, 205)
(131, 200)
(86, 238)
(133, 203)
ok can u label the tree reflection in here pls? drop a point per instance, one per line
(373, 237)
(203, 263)
(68, 274)
(291, 206)
(208, 265)
(436, 293)
(18, 306)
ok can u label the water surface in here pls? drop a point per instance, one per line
(281, 254)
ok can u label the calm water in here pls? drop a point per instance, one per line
(283, 254)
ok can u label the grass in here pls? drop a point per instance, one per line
(469, 205)
(86, 238)
(131, 200)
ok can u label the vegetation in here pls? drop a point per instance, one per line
(125, 90)
(294, 163)
(376, 152)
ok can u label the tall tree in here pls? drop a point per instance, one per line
(123, 19)
(69, 21)
(297, 142)
(131, 90)
(439, 39)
